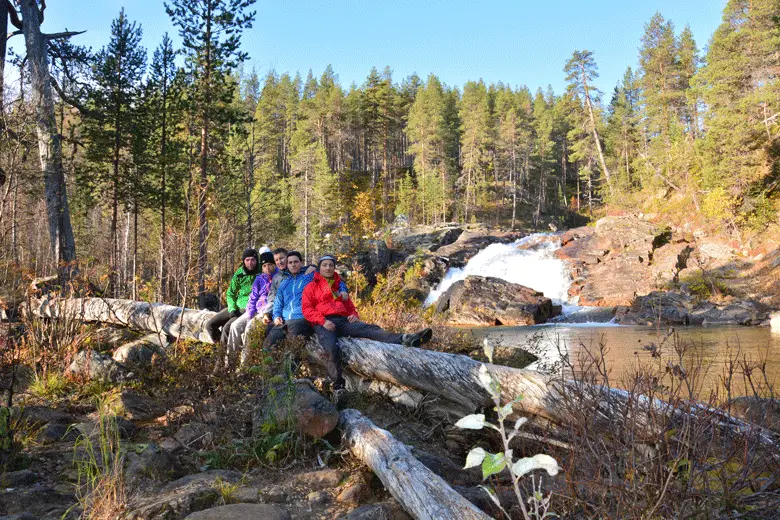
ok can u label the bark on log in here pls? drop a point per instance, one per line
(453, 377)
(421, 492)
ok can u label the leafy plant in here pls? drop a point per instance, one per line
(493, 463)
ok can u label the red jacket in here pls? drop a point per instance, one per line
(319, 300)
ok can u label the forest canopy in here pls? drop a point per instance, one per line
(175, 159)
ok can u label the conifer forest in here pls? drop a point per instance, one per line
(156, 167)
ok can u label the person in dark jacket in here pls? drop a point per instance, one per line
(237, 296)
(327, 306)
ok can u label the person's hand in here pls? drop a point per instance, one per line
(353, 318)
(310, 269)
(329, 325)
(279, 321)
(266, 319)
(344, 295)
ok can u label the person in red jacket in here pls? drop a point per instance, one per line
(333, 315)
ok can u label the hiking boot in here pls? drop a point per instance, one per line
(416, 339)
(426, 335)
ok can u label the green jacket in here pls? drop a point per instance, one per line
(239, 290)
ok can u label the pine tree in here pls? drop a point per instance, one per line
(210, 32)
(739, 87)
(622, 135)
(118, 70)
(580, 72)
(475, 143)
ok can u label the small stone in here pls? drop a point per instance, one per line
(351, 494)
(194, 435)
(241, 512)
(171, 445)
(321, 479)
(318, 497)
(247, 495)
(275, 494)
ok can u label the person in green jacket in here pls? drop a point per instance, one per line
(237, 297)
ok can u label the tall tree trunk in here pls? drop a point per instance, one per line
(4, 7)
(204, 142)
(61, 242)
(135, 250)
(163, 294)
(595, 131)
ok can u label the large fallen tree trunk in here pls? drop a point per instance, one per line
(452, 377)
(421, 492)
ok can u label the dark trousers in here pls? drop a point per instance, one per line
(221, 320)
(291, 328)
(328, 340)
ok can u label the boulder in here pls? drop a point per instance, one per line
(469, 243)
(241, 512)
(13, 479)
(312, 414)
(153, 463)
(91, 428)
(676, 308)
(424, 238)
(181, 497)
(90, 364)
(480, 300)
(141, 351)
(39, 501)
(40, 415)
(137, 407)
(57, 432)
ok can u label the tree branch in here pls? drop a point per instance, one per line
(66, 34)
(15, 33)
(71, 101)
(12, 14)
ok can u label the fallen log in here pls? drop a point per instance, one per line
(453, 377)
(421, 492)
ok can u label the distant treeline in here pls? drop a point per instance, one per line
(169, 160)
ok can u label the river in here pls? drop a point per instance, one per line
(709, 351)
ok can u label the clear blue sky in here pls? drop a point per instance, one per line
(514, 41)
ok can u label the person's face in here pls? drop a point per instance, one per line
(268, 268)
(281, 260)
(327, 268)
(250, 263)
(293, 264)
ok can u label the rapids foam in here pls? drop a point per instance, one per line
(536, 268)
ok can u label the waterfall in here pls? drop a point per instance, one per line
(534, 267)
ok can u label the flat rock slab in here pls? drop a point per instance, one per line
(138, 407)
(242, 512)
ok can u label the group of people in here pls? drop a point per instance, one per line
(274, 290)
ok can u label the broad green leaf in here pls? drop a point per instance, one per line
(475, 458)
(493, 463)
(528, 464)
(474, 421)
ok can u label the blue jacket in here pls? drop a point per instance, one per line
(287, 303)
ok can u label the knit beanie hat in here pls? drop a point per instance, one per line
(325, 257)
(249, 252)
(267, 258)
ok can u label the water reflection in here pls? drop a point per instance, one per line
(708, 352)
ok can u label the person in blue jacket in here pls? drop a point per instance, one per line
(287, 312)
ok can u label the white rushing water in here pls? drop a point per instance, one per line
(536, 268)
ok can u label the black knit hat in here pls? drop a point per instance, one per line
(249, 252)
(267, 258)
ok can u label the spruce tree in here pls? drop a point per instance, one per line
(117, 75)
(211, 35)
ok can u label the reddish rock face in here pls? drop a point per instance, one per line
(479, 300)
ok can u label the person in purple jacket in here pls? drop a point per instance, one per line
(255, 305)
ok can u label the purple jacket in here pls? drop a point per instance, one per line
(259, 296)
